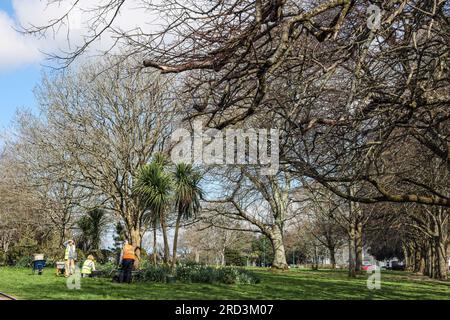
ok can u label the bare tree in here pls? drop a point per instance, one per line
(21, 214)
(97, 129)
(263, 203)
(324, 229)
(367, 88)
(197, 239)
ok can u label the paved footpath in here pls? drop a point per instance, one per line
(5, 297)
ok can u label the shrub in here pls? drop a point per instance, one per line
(108, 269)
(234, 257)
(187, 273)
(2, 258)
(153, 274)
(24, 261)
(145, 262)
(195, 273)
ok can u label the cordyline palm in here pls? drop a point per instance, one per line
(98, 225)
(187, 198)
(154, 186)
(92, 225)
(84, 241)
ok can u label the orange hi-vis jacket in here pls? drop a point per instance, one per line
(128, 252)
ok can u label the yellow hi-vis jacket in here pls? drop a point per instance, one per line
(70, 252)
(66, 253)
(88, 267)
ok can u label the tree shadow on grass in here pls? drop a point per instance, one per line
(291, 285)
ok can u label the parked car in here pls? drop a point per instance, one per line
(368, 266)
(398, 266)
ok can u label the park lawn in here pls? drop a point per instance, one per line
(298, 284)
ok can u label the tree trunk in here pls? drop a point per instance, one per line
(197, 256)
(279, 253)
(222, 259)
(422, 262)
(429, 261)
(166, 241)
(351, 252)
(408, 258)
(315, 265)
(332, 257)
(441, 262)
(63, 235)
(155, 246)
(358, 247)
(175, 241)
(136, 239)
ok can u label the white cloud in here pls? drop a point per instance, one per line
(15, 49)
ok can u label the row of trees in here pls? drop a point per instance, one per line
(88, 152)
(362, 111)
(417, 234)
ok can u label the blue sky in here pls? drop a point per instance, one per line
(21, 56)
(16, 83)
(6, 5)
(16, 91)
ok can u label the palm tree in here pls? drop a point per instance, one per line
(187, 198)
(152, 221)
(83, 241)
(92, 226)
(154, 187)
(98, 225)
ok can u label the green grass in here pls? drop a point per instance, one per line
(294, 285)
